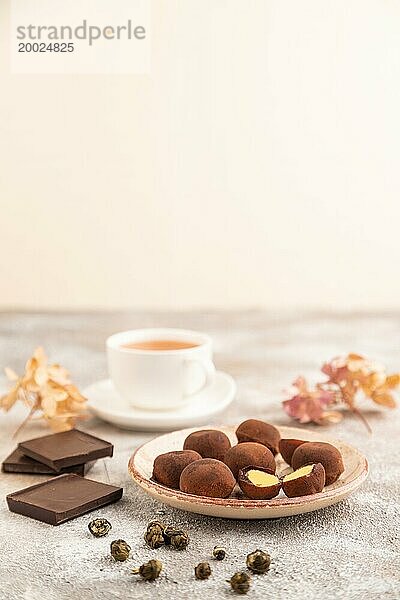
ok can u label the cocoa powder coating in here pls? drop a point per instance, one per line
(320, 452)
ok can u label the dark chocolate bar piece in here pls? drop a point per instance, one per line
(66, 449)
(17, 462)
(62, 498)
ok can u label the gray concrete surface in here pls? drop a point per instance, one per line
(350, 551)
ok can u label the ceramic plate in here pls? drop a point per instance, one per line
(106, 403)
(141, 465)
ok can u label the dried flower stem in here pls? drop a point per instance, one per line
(24, 422)
(349, 401)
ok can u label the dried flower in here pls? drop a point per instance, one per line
(177, 538)
(219, 553)
(150, 570)
(99, 527)
(154, 536)
(353, 373)
(46, 388)
(240, 582)
(308, 406)
(202, 571)
(258, 561)
(120, 550)
(348, 377)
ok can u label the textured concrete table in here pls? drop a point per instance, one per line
(346, 551)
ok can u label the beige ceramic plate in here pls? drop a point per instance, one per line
(141, 466)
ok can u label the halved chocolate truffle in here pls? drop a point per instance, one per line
(209, 443)
(167, 468)
(260, 432)
(249, 453)
(305, 481)
(207, 477)
(259, 483)
(320, 452)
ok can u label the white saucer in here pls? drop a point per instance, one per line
(105, 402)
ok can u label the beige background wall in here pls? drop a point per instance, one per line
(258, 165)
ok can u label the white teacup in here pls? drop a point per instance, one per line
(160, 368)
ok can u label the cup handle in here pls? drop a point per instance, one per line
(208, 368)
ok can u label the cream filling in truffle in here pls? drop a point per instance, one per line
(299, 473)
(261, 479)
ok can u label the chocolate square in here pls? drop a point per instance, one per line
(62, 498)
(17, 462)
(66, 449)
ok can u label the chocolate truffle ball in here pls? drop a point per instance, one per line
(209, 443)
(248, 454)
(253, 430)
(167, 468)
(287, 447)
(207, 477)
(320, 452)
